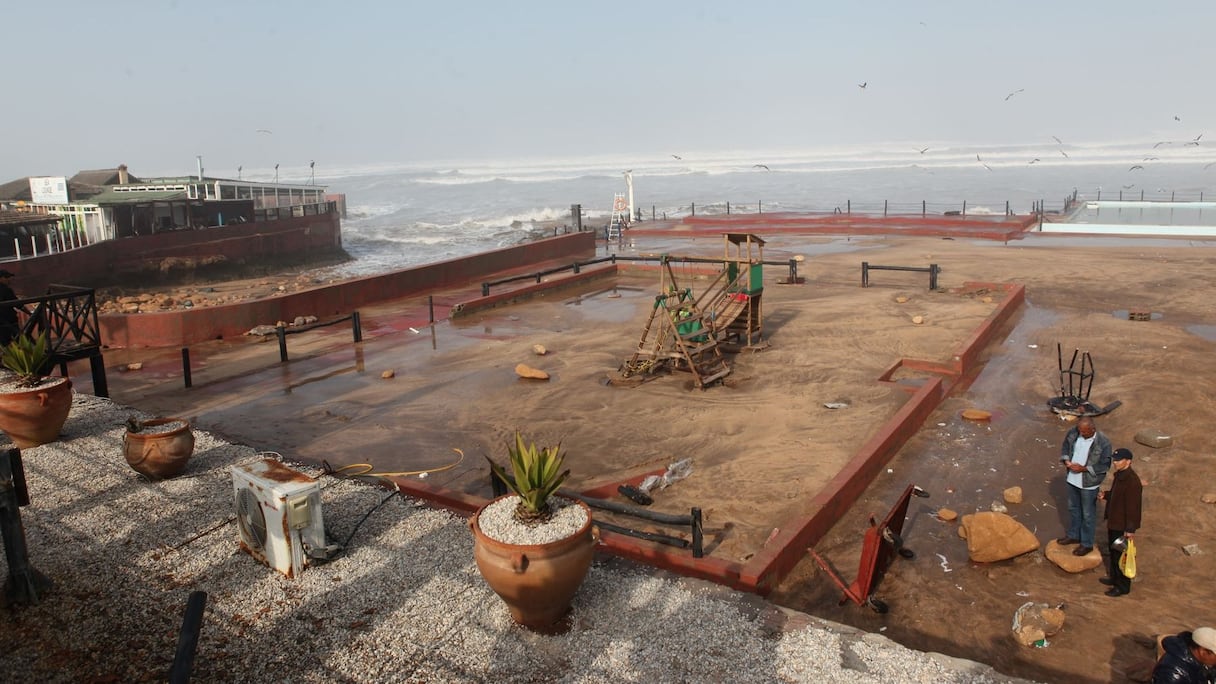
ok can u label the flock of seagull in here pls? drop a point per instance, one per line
(1135, 167)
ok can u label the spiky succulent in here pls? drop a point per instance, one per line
(535, 475)
(29, 358)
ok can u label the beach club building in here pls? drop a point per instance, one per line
(106, 204)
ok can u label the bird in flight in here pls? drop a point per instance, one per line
(1150, 159)
(1033, 160)
(1129, 187)
(923, 150)
(1013, 93)
(1198, 137)
(1176, 118)
(863, 85)
(987, 167)
(1208, 165)
(262, 130)
(1163, 142)
(1064, 153)
(1137, 166)
(977, 158)
(676, 156)
(1057, 140)
(761, 166)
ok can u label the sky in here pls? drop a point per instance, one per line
(253, 84)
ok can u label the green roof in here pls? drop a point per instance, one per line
(112, 196)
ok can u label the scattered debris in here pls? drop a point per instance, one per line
(135, 366)
(976, 414)
(1032, 346)
(998, 507)
(1034, 622)
(836, 404)
(1013, 495)
(945, 563)
(414, 330)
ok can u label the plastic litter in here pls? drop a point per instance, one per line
(675, 472)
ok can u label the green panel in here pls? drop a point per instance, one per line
(756, 276)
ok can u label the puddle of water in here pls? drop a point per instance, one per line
(1207, 332)
(1125, 315)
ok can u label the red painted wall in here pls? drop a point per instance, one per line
(180, 328)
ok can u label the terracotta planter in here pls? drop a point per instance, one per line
(35, 416)
(537, 581)
(159, 455)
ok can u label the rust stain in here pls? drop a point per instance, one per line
(277, 472)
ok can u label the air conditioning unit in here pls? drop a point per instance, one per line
(278, 513)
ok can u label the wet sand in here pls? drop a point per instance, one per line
(764, 442)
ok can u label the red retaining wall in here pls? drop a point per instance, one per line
(188, 326)
(107, 262)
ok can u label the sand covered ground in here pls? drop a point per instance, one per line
(764, 442)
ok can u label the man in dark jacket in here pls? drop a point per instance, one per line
(1190, 658)
(1085, 455)
(1122, 517)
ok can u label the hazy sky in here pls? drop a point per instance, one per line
(152, 84)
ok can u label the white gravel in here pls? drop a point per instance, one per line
(404, 603)
(497, 521)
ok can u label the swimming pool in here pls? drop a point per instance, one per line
(1139, 218)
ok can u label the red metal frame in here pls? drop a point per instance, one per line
(876, 553)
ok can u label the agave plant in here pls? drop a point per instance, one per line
(536, 475)
(28, 358)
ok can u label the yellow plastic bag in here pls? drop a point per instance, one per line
(1127, 564)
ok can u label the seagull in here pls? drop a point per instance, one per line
(1150, 159)
(1163, 142)
(1137, 166)
(1033, 160)
(263, 130)
(676, 156)
(760, 166)
(1064, 153)
(1208, 165)
(1129, 187)
(977, 158)
(1176, 118)
(1193, 142)
(863, 85)
(1198, 137)
(922, 151)
(987, 167)
(1013, 93)
(1057, 140)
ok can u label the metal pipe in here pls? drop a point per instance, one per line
(648, 536)
(430, 304)
(281, 333)
(356, 325)
(187, 640)
(186, 366)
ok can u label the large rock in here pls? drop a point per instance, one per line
(995, 537)
(1063, 557)
(1154, 438)
(1035, 621)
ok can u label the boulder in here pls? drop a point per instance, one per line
(526, 371)
(1013, 495)
(539, 349)
(1154, 438)
(1034, 622)
(1062, 557)
(995, 537)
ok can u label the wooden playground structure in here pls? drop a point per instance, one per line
(689, 333)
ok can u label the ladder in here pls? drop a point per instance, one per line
(620, 217)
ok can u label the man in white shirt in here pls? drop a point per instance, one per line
(1085, 455)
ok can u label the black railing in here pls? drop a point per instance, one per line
(68, 316)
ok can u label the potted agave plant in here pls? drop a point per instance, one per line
(33, 406)
(534, 548)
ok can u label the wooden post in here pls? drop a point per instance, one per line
(922, 208)
(884, 208)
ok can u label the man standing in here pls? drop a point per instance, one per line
(1190, 658)
(1122, 517)
(9, 327)
(1085, 455)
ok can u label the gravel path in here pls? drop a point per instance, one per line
(404, 603)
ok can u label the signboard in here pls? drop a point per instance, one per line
(49, 189)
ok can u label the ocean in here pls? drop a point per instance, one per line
(401, 215)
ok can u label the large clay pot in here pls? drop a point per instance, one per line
(159, 454)
(537, 581)
(35, 416)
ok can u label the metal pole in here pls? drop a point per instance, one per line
(698, 549)
(281, 332)
(430, 303)
(922, 208)
(932, 276)
(759, 206)
(356, 324)
(187, 640)
(884, 208)
(865, 274)
(694, 208)
(848, 206)
(186, 366)
(728, 208)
